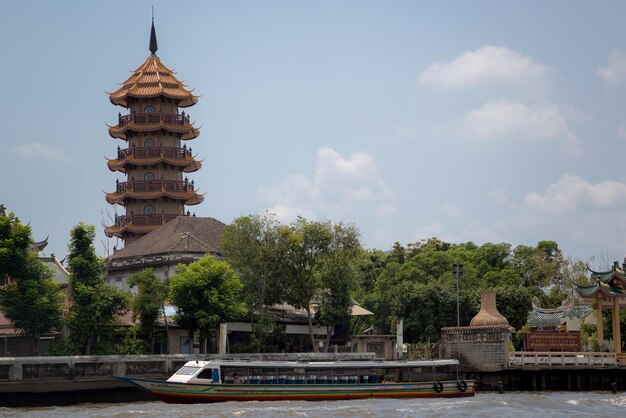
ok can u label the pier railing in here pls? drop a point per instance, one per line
(544, 359)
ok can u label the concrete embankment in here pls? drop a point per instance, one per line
(31, 381)
(75, 379)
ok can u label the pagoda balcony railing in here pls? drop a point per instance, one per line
(142, 219)
(155, 186)
(172, 119)
(152, 152)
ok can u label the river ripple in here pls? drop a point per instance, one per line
(518, 404)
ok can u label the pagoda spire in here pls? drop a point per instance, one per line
(153, 40)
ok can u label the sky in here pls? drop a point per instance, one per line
(482, 121)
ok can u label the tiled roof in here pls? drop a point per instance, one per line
(185, 234)
(553, 317)
(59, 273)
(153, 79)
(190, 198)
(190, 164)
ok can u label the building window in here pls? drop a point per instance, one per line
(148, 176)
(148, 109)
(148, 143)
(148, 210)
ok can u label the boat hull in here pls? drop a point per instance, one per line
(171, 392)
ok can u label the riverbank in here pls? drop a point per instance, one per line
(38, 381)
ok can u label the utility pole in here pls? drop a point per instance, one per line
(458, 272)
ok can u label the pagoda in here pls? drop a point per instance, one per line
(155, 158)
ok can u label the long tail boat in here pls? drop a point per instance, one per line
(255, 380)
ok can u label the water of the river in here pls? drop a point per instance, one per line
(517, 404)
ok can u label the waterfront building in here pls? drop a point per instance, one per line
(156, 158)
(568, 317)
(183, 240)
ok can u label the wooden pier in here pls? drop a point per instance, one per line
(560, 371)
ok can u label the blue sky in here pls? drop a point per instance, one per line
(484, 121)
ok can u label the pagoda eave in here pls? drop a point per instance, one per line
(189, 198)
(182, 101)
(188, 165)
(188, 131)
(121, 232)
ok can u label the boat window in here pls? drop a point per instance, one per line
(188, 370)
(444, 372)
(205, 374)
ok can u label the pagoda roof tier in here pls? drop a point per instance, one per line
(141, 156)
(153, 79)
(153, 122)
(608, 284)
(154, 189)
(138, 224)
(615, 276)
(599, 288)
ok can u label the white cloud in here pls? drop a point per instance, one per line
(338, 185)
(615, 69)
(571, 191)
(486, 65)
(504, 118)
(37, 150)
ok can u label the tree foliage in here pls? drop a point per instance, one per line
(254, 246)
(339, 277)
(206, 293)
(31, 301)
(420, 287)
(148, 304)
(96, 306)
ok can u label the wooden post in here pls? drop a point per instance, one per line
(599, 321)
(617, 338)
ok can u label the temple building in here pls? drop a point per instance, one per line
(155, 158)
(608, 291)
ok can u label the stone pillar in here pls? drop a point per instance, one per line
(400, 337)
(617, 338)
(599, 321)
(223, 336)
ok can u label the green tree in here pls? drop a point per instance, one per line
(339, 277)
(149, 302)
(254, 246)
(95, 306)
(206, 293)
(308, 243)
(31, 301)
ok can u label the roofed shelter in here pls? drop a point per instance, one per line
(607, 291)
